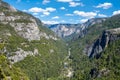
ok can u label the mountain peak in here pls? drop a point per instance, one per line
(6, 7)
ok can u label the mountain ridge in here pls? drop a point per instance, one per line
(71, 30)
(25, 42)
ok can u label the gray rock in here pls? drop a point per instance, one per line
(28, 30)
(21, 54)
(100, 44)
(67, 30)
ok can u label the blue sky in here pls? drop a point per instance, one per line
(67, 11)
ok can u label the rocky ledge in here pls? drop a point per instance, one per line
(102, 42)
(21, 54)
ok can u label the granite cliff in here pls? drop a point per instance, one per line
(103, 41)
(73, 31)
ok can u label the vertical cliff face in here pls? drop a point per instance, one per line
(100, 44)
(25, 25)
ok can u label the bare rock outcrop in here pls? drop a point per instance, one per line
(102, 42)
(20, 54)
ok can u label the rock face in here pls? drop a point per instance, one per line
(63, 30)
(28, 28)
(29, 31)
(25, 26)
(72, 30)
(21, 54)
(100, 44)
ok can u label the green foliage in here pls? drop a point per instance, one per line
(110, 60)
(3, 6)
(81, 64)
(46, 64)
(113, 22)
(42, 66)
(8, 71)
(13, 41)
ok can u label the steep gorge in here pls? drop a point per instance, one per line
(36, 53)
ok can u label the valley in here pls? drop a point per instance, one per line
(32, 50)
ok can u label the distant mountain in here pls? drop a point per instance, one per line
(71, 31)
(65, 30)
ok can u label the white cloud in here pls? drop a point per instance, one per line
(45, 1)
(116, 12)
(40, 10)
(64, 0)
(104, 5)
(102, 15)
(36, 10)
(74, 4)
(50, 9)
(55, 17)
(46, 13)
(68, 14)
(85, 14)
(83, 20)
(62, 8)
(50, 22)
